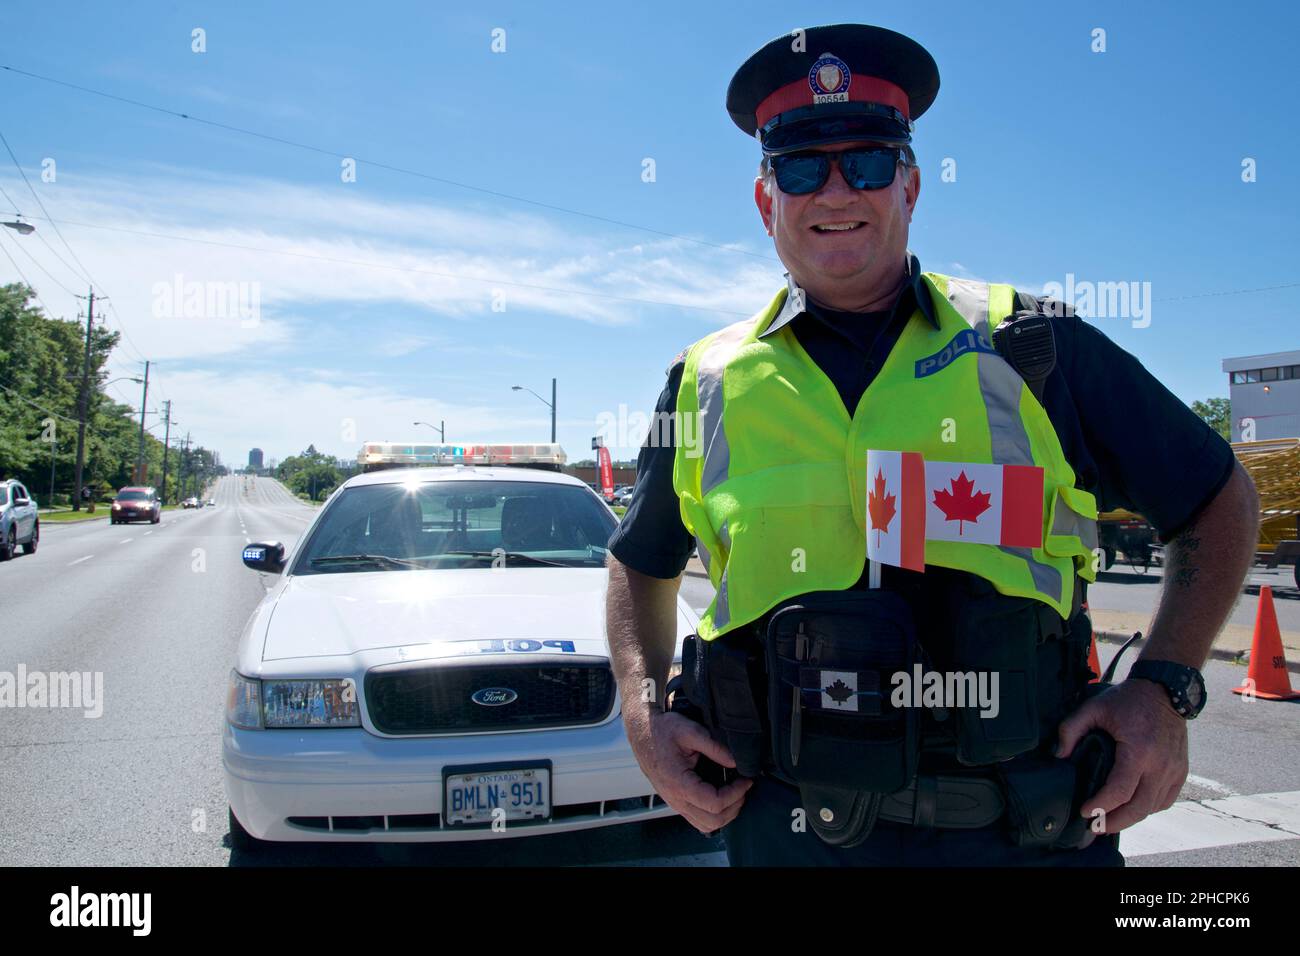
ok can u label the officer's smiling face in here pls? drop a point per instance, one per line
(846, 247)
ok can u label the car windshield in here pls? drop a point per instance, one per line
(458, 524)
(132, 496)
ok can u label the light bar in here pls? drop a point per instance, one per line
(379, 454)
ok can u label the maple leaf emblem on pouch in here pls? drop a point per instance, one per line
(880, 506)
(963, 503)
(839, 691)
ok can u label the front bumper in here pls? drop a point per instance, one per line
(351, 786)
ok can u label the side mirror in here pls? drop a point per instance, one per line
(264, 556)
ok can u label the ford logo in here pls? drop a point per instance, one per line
(493, 696)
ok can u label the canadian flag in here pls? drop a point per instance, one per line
(896, 508)
(984, 504)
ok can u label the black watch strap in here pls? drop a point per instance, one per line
(1185, 686)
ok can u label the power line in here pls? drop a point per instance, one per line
(38, 265)
(35, 195)
(31, 287)
(1206, 295)
(88, 278)
(381, 165)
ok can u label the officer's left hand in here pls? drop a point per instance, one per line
(1150, 751)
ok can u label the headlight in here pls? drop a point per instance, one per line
(310, 703)
(242, 708)
(116, 506)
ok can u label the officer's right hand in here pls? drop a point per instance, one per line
(668, 750)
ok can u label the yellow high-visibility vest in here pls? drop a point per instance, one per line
(770, 469)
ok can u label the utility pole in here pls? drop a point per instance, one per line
(185, 458)
(167, 433)
(552, 411)
(144, 401)
(83, 406)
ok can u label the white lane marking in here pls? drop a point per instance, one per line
(79, 560)
(247, 540)
(126, 541)
(1205, 783)
(148, 532)
(1193, 825)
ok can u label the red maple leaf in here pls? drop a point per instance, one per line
(880, 506)
(961, 505)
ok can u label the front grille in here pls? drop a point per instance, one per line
(424, 699)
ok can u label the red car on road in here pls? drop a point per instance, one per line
(136, 504)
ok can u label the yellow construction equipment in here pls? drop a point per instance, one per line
(1275, 468)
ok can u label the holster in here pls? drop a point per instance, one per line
(716, 689)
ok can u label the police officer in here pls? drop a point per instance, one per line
(788, 740)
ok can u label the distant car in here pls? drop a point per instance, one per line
(211, 502)
(623, 495)
(190, 503)
(19, 523)
(136, 504)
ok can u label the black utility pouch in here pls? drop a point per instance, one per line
(994, 634)
(830, 660)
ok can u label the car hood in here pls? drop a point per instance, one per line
(442, 613)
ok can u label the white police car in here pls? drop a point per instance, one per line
(432, 664)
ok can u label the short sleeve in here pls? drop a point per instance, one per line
(651, 538)
(1154, 455)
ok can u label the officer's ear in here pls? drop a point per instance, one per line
(911, 188)
(763, 200)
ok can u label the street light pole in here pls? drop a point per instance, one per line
(550, 404)
(441, 429)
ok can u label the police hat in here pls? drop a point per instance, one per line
(832, 84)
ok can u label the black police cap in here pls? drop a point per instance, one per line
(833, 83)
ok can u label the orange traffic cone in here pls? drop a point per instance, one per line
(1094, 664)
(1267, 676)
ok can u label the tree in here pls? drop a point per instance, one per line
(1217, 413)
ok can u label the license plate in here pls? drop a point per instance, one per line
(481, 796)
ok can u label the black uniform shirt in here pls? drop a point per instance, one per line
(1131, 442)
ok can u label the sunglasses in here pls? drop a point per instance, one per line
(800, 173)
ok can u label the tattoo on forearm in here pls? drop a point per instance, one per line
(1185, 545)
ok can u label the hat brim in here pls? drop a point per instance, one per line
(788, 137)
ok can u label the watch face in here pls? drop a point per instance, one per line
(1195, 694)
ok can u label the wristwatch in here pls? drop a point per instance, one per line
(1185, 685)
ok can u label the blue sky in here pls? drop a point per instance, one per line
(1115, 166)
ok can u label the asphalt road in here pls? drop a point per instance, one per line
(1124, 588)
(158, 611)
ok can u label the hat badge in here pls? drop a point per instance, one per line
(829, 79)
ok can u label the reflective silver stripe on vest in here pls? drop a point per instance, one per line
(708, 383)
(1047, 580)
(706, 559)
(1000, 386)
(1065, 520)
(721, 609)
(971, 299)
